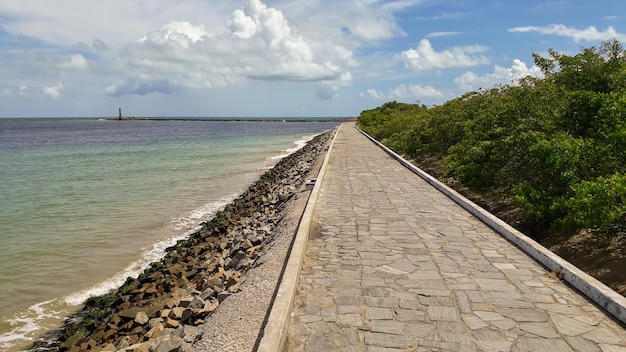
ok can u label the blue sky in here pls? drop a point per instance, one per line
(276, 58)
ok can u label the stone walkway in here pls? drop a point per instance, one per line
(394, 265)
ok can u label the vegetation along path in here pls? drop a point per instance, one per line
(392, 264)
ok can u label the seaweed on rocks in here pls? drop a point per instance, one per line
(163, 303)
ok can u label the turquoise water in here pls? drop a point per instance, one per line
(86, 203)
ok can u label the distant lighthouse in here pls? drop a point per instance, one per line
(120, 117)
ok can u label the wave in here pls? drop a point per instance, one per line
(180, 228)
(22, 328)
(28, 322)
(299, 144)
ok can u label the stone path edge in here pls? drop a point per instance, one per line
(275, 331)
(599, 293)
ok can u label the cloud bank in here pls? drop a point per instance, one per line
(261, 45)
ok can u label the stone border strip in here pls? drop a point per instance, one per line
(275, 331)
(596, 291)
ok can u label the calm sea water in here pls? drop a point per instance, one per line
(85, 203)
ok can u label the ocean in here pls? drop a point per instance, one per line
(85, 203)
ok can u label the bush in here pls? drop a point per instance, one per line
(556, 145)
(599, 203)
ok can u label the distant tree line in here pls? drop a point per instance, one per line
(552, 148)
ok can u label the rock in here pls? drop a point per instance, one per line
(246, 244)
(154, 309)
(139, 347)
(137, 330)
(196, 303)
(156, 331)
(187, 314)
(141, 318)
(154, 322)
(239, 260)
(208, 293)
(71, 341)
(176, 313)
(109, 334)
(126, 341)
(210, 307)
(171, 323)
(170, 344)
(222, 296)
(170, 303)
(185, 302)
(192, 333)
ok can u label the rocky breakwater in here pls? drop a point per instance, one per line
(161, 309)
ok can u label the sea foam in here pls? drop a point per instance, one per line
(179, 228)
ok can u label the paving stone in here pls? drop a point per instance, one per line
(504, 324)
(387, 327)
(350, 320)
(443, 313)
(540, 329)
(523, 314)
(410, 315)
(581, 344)
(489, 316)
(397, 266)
(319, 344)
(379, 313)
(569, 326)
(604, 336)
(410, 304)
(388, 340)
(612, 348)
(542, 344)
(474, 322)
(343, 309)
(494, 346)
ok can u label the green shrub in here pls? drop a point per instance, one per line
(598, 203)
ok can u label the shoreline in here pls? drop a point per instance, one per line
(255, 119)
(170, 301)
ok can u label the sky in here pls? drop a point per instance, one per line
(276, 58)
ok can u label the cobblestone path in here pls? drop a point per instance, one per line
(394, 265)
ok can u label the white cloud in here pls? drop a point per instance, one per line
(53, 91)
(424, 57)
(374, 94)
(590, 33)
(261, 45)
(114, 21)
(75, 62)
(352, 23)
(442, 34)
(411, 92)
(501, 75)
(176, 33)
(375, 28)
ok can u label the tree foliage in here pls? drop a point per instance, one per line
(555, 145)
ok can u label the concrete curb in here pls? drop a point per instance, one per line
(596, 291)
(275, 332)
